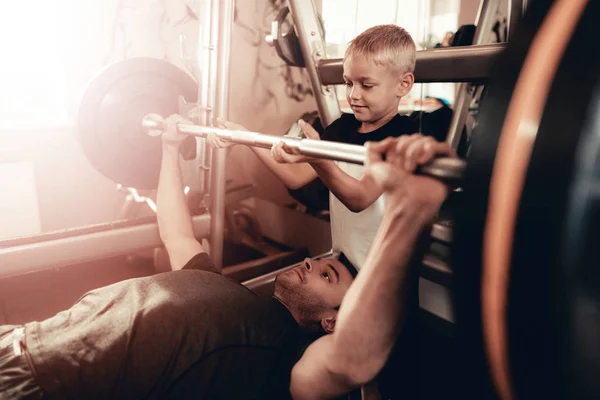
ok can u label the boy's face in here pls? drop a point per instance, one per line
(374, 91)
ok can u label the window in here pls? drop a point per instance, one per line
(32, 69)
(426, 20)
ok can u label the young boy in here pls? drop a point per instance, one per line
(378, 72)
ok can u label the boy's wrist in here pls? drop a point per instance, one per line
(319, 163)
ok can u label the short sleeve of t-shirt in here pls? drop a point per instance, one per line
(203, 262)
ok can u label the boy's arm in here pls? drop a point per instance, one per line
(174, 220)
(293, 176)
(355, 194)
(371, 313)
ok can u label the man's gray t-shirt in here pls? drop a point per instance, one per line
(181, 334)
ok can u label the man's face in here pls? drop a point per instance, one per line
(314, 289)
(373, 91)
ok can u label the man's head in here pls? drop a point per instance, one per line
(378, 71)
(314, 291)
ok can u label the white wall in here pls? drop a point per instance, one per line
(258, 97)
(468, 12)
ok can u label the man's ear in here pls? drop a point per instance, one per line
(328, 323)
(405, 84)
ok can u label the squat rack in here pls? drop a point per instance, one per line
(83, 244)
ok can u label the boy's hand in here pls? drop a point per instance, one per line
(171, 137)
(284, 154)
(214, 141)
(392, 163)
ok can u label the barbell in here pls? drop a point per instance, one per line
(115, 128)
(125, 101)
(446, 169)
(110, 117)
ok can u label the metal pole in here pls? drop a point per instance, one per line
(516, 9)
(204, 54)
(223, 16)
(312, 45)
(449, 64)
(484, 23)
(83, 245)
(310, 147)
(486, 18)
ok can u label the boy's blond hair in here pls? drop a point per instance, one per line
(388, 45)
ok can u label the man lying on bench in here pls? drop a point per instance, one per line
(190, 333)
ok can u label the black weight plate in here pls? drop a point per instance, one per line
(554, 291)
(468, 230)
(581, 264)
(111, 112)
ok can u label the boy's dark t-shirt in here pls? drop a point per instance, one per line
(183, 334)
(315, 195)
(345, 130)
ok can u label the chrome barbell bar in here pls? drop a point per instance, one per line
(446, 169)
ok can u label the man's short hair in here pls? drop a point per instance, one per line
(344, 260)
(388, 45)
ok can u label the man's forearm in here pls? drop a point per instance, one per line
(174, 219)
(355, 194)
(293, 176)
(377, 297)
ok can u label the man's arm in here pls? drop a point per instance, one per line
(369, 318)
(371, 313)
(174, 219)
